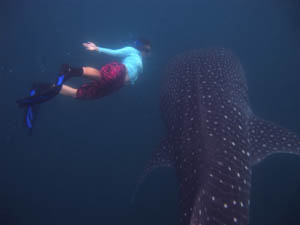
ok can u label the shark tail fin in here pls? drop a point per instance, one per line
(161, 157)
(267, 138)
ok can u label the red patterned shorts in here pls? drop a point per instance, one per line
(112, 79)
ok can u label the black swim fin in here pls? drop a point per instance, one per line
(39, 93)
(70, 72)
(42, 93)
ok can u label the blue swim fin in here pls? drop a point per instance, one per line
(42, 93)
(39, 93)
(31, 110)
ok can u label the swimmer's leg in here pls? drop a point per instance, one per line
(68, 91)
(88, 72)
(111, 78)
(87, 91)
(70, 72)
(95, 74)
(91, 73)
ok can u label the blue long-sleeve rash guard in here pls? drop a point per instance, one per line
(132, 59)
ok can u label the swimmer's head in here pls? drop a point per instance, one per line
(143, 45)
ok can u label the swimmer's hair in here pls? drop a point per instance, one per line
(140, 43)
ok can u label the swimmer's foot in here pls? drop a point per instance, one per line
(69, 71)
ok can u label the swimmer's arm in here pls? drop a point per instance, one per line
(119, 52)
(122, 52)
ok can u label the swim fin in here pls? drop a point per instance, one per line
(32, 109)
(70, 72)
(42, 93)
(39, 93)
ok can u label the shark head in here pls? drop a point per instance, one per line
(213, 138)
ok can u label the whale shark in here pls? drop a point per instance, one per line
(213, 138)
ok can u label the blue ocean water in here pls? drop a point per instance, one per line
(81, 165)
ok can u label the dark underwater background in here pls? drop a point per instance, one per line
(81, 165)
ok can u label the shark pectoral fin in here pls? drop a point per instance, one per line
(267, 138)
(161, 157)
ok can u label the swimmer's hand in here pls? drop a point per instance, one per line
(90, 46)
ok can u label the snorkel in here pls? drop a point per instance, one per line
(142, 45)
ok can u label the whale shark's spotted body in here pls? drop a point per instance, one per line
(213, 137)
